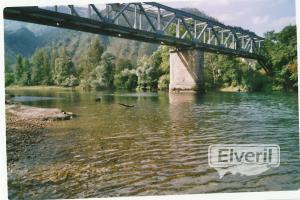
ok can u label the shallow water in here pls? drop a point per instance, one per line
(157, 147)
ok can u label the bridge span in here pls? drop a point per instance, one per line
(190, 34)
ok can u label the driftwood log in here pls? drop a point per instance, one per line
(126, 105)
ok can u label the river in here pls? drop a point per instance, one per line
(157, 147)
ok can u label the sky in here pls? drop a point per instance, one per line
(258, 16)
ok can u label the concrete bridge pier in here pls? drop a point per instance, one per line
(186, 70)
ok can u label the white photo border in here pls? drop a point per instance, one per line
(293, 195)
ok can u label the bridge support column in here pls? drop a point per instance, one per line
(186, 70)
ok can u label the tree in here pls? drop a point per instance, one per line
(122, 64)
(41, 73)
(22, 71)
(26, 76)
(212, 71)
(165, 59)
(160, 61)
(163, 82)
(148, 73)
(126, 79)
(89, 62)
(47, 71)
(9, 78)
(18, 69)
(103, 75)
(70, 81)
(53, 56)
(280, 49)
(95, 52)
(255, 81)
(231, 69)
(65, 72)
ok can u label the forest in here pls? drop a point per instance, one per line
(98, 69)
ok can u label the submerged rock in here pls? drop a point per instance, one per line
(70, 114)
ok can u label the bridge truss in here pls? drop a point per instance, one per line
(147, 22)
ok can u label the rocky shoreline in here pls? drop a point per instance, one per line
(26, 126)
(21, 135)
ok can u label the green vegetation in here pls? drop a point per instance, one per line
(125, 76)
(64, 71)
(103, 74)
(97, 68)
(41, 73)
(228, 71)
(280, 49)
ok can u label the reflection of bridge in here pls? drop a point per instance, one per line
(153, 22)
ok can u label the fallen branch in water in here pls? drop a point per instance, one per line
(129, 106)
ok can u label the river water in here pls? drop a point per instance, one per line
(157, 147)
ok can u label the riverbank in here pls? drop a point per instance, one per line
(26, 125)
(232, 89)
(40, 87)
(29, 112)
(22, 134)
(45, 87)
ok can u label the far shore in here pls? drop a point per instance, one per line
(41, 87)
(232, 89)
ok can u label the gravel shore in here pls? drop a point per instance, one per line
(22, 134)
(26, 126)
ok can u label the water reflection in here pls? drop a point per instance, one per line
(33, 98)
(157, 147)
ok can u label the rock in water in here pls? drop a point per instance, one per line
(98, 99)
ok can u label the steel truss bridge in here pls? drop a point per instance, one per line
(148, 22)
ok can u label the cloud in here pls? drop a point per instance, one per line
(223, 2)
(284, 21)
(225, 17)
(258, 20)
(231, 17)
(280, 23)
(258, 16)
(208, 3)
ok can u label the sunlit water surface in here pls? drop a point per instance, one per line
(157, 147)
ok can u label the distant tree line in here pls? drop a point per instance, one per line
(44, 69)
(98, 69)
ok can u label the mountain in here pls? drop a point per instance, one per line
(23, 41)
